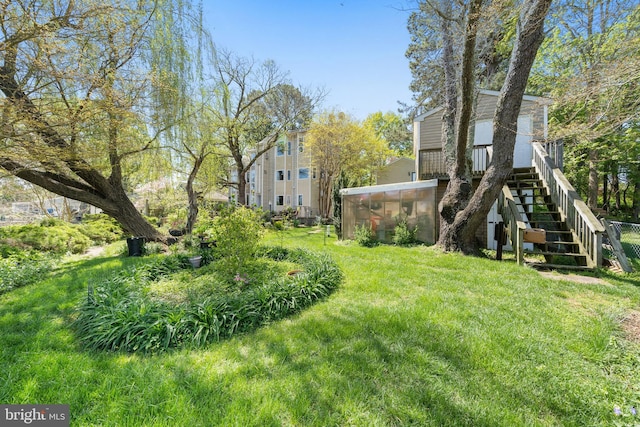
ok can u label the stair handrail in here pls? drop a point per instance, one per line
(573, 210)
(513, 224)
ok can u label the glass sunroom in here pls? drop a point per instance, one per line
(382, 206)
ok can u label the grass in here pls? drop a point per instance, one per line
(412, 337)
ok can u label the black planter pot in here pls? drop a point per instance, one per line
(135, 246)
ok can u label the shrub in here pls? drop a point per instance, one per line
(118, 315)
(403, 234)
(365, 236)
(101, 228)
(23, 268)
(237, 232)
(50, 235)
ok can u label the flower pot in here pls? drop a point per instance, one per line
(195, 261)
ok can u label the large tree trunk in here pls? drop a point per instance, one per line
(112, 199)
(460, 235)
(77, 180)
(455, 140)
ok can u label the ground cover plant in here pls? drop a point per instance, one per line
(412, 336)
(147, 308)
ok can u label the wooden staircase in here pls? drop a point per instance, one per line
(561, 249)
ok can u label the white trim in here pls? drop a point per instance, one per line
(389, 187)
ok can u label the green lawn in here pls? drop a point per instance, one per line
(412, 337)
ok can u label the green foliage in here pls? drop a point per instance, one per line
(23, 268)
(119, 315)
(365, 236)
(403, 234)
(237, 232)
(447, 340)
(50, 235)
(101, 228)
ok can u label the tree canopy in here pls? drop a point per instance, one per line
(77, 79)
(340, 144)
(591, 68)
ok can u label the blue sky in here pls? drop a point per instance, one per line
(353, 48)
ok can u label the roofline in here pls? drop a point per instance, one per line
(389, 187)
(533, 98)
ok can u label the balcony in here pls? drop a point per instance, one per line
(432, 165)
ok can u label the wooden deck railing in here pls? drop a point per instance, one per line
(513, 224)
(583, 223)
(432, 164)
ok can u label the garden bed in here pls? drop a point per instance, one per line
(165, 303)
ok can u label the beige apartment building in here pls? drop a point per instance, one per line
(284, 177)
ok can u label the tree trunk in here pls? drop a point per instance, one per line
(615, 185)
(636, 201)
(592, 192)
(242, 185)
(460, 234)
(192, 197)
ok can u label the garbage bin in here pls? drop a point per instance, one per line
(135, 245)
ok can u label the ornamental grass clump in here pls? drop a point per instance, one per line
(122, 313)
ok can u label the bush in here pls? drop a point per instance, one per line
(403, 235)
(50, 235)
(118, 315)
(101, 228)
(237, 232)
(365, 236)
(23, 268)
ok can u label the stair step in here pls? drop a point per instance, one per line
(560, 243)
(552, 253)
(542, 266)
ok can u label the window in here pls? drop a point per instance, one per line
(289, 148)
(279, 150)
(279, 200)
(288, 175)
(303, 173)
(280, 175)
(300, 147)
(288, 200)
(299, 199)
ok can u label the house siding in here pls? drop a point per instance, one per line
(267, 187)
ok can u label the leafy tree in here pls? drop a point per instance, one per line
(254, 102)
(433, 25)
(338, 143)
(463, 210)
(76, 85)
(393, 129)
(591, 68)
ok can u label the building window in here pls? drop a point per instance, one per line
(279, 200)
(299, 199)
(289, 148)
(300, 147)
(279, 150)
(280, 175)
(288, 200)
(303, 173)
(288, 175)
